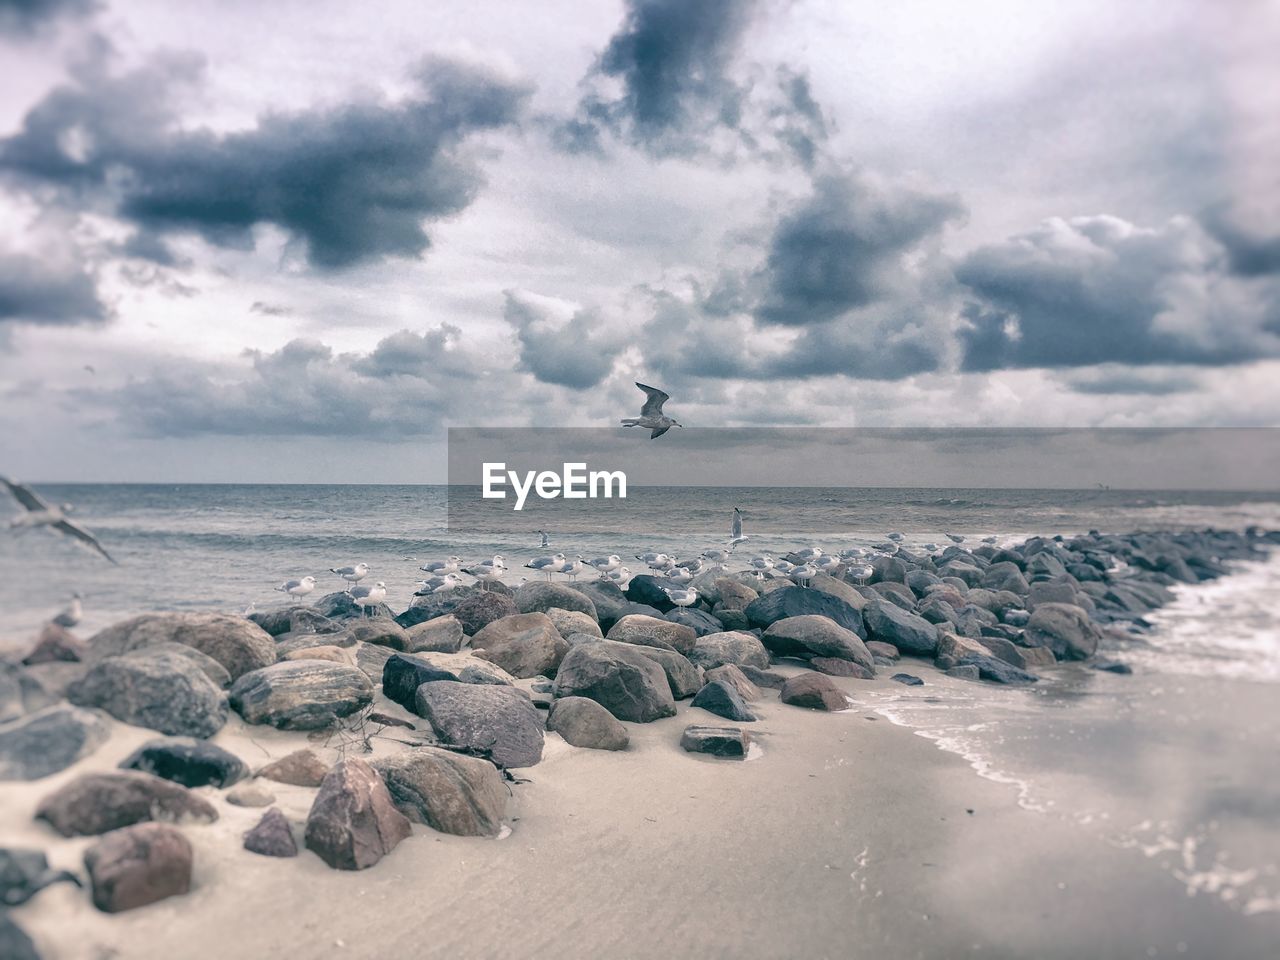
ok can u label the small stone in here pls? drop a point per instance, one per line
(1112, 666)
(814, 691)
(250, 795)
(911, 680)
(272, 836)
(302, 768)
(723, 700)
(729, 742)
(138, 865)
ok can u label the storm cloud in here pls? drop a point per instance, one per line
(572, 350)
(25, 17)
(47, 290)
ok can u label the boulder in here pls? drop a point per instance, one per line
(568, 622)
(835, 667)
(49, 740)
(608, 599)
(539, 596)
(585, 723)
(286, 643)
(371, 659)
(814, 691)
(441, 635)
(302, 768)
(301, 695)
(957, 647)
(250, 795)
(723, 700)
(447, 791)
(815, 636)
(342, 606)
(729, 742)
(1005, 650)
(825, 583)
(964, 672)
(238, 644)
(729, 647)
(498, 722)
(138, 865)
(731, 619)
(795, 601)
(1043, 592)
(156, 689)
(14, 942)
(909, 633)
(637, 628)
(699, 621)
(326, 653)
(733, 675)
(991, 668)
(188, 761)
(732, 594)
(525, 645)
(353, 821)
(683, 677)
(383, 631)
(1063, 628)
(56, 644)
(650, 591)
(763, 678)
(479, 609)
(1005, 575)
(20, 692)
(298, 619)
(618, 677)
(272, 836)
(94, 803)
(403, 674)
(878, 648)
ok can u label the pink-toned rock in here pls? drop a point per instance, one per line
(302, 768)
(138, 865)
(814, 691)
(56, 644)
(353, 822)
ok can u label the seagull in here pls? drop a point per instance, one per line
(804, 573)
(546, 540)
(852, 553)
(487, 571)
(888, 548)
(955, 538)
(440, 567)
(679, 575)
(366, 597)
(783, 567)
(571, 569)
(809, 553)
(681, 597)
(895, 537)
(716, 558)
(694, 566)
(72, 614)
(606, 564)
(736, 536)
(761, 564)
(41, 514)
(827, 564)
(298, 588)
(651, 415)
(547, 564)
(352, 574)
(443, 584)
(619, 576)
(860, 572)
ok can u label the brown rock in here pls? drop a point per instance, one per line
(272, 837)
(524, 645)
(353, 822)
(330, 653)
(636, 628)
(835, 667)
(447, 791)
(137, 865)
(733, 675)
(97, 802)
(878, 648)
(441, 635)
(250, 795)
(302, 768)
(238, 644)
(56, 644)
(814, 691)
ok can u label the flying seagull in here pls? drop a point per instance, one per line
(735, 531)
(651, 415)
(546, 540)
(41, 514)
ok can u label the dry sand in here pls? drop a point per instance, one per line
(847, 837)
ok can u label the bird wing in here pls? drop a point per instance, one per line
(83, 535)
(654, 399)
(24, 495)
(658, 432)
(737, 523)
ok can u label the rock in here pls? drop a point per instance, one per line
(326, 653)
(342, 606)
(607, 598)
(991, 668)
(794, 601)
(763, 678)
(683, 677)
(878, 648)
(888, 570)
(814, 691)
(301, 695)
(957, 647)
(138, 865)
(835, 667)
(909, 633)
(94, 803)
(20, 692)
(159, 690)
(731, 619)
(353, 821)
(637, 628)
(733, 594)
(539, 596)
(621, 679)
(1005, 650)
(56, 644)
(447, 791)
(477, 611)
(569, 622)
(287, 643)
(699, 621)
(1112, 666)
(272, 836)
(383, 631)
(442, 635)
(585, 723)
(403, 674)
(723, 700)
(371, 659)
(733, 675)
(298, 619)
(14, 942)
(23, 874)
(302, 768)
(966, 671)
(729, 647)
(898, 593)
(238, 644)
(497, 722)
(1063, 628)
(1043, 592)
(55, 676)
(525, 645)
(49, 740)
(188, 761)
(250, 795)
(650, 591)
(730, 742)
(909, 679)
(815, 636)
(1016, 617)
(1005, 575)
(838, 589)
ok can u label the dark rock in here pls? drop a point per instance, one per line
(1016, 617)
(568, 622)
(298, 619)
(897, 593)
(479, 609)
(878, 648)
(723, 700)
(185, 760)
(729, 647)
(1043, 592)
(910, 679)
(795, 601)
(236, 643)
(966, 671)
(302, 768)
(733, 675)
(301, 694)
(637, 629)
(585, 723)
(618, 677)
(14, 942)
(1005, 650)
(159, 690)
(1005, 576)
(909, 633)
(763, 678)
(815, 636)
(649, 590)
(608, 599)
(382, 631)
(1112, 666)
(699, 621)
(138, 865)
(824, 583)
(683, 677)
(835, 667)
(730, 742)
(539, 596)
(272, 836)
(49, 740)
(731, 619)
(814, 691)
(94, 803)
(1063, 628)
(56, 644)
(353, 821)
(497, 722)
(23, 874)
(991, 668)
(342, 606)
(403, 674)
(447, 791)
(888, 570)
(525, 645)
(441, 635)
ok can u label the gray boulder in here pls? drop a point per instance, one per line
(825, 583)
(683, 677)
(815, 692)
(498, 722)
(729, 647)
(382, 631)
(991, 668)
(815, 636)
(608, 599)
(238, 644)
(795, 601)
(478, 609)
(699, 621)
(585, 723)
(1063, 628)
(906, 631)
(569, 622)
(447, 791)
(353, 821)
(441, 635)
(524, 645)
(49, 740)
(620, 678)
(723, 700)
(94, 803)
(156, 689)
(539, 596)
(301, 694)
(637, 628)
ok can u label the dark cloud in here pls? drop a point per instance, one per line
(575, 352)
(1094, 290)
(799, 122)
(672, 61)
(1249, 254)
(47, 290)
(25, 17)
(1128, 381)
(351, 183)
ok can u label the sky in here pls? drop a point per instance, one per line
(298, 241)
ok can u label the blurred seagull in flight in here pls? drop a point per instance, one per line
(546, 540)
(40, 514)
(736, 536)
(651, 415)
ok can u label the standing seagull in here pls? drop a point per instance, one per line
(41, 514)
(366, 597)
(651, 415)
(72, 614)
(352, 574)
(298, 588)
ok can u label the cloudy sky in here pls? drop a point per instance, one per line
(295, 241)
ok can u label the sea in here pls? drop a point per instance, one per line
(1178, 763)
